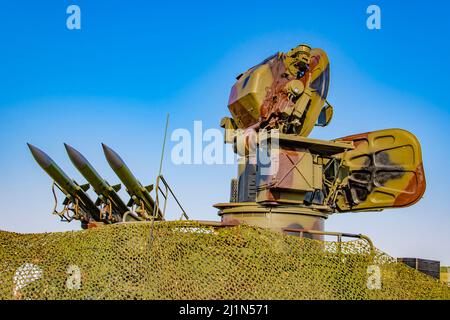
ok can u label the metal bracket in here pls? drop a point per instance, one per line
(338, 235)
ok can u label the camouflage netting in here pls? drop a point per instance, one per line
(189, 261)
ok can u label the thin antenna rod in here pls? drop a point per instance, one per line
(164, 145)
(156, 209)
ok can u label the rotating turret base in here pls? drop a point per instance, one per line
(277, 218)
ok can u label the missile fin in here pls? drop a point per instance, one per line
(98, 202)
(66, 201)
(149, 188)
(117, 187)
(85, 187)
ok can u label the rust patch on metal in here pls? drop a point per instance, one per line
(289, 160)
(276, 97)
(409, 197)
(357, 138)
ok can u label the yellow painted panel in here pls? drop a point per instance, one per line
(248, 94)
(386, 171)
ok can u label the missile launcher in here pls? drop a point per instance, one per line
(77, 200)
(286, 180)
(140, 195)
(112, 204)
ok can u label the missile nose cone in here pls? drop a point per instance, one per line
(76, 157)
(40, 156)
(112, 157)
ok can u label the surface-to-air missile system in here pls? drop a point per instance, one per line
(286, 181)
(109, 207)
(287, 184)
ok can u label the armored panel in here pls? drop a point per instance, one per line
(294, 175)
(248, 94)
(385, 171)
(319, 83)
(295, 172)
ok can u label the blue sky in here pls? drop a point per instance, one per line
(132, 62)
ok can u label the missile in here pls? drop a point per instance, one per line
(139, 194)
(101, 187)
(69, 187)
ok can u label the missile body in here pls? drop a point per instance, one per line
(100, 185)
(69, 187)
(139, 194)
